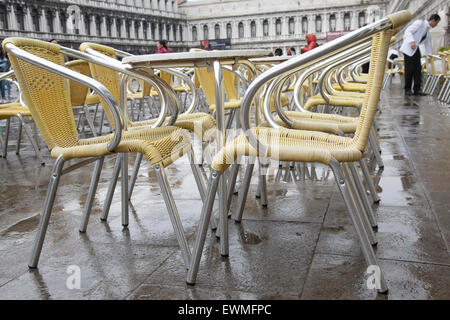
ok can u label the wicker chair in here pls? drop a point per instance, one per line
(39, 67)
(307, 146)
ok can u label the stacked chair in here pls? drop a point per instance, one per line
(444, 93)
(292, 136)
(293, 145)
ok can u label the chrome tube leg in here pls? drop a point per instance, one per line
(369, 181)
(223, 217)
(102, 119)
(90, 198)
(32, 140)
(374, 147)
(363, 195)
(137, 165)
(232, 183)
(359, 209)
(243, 192)
(46, 212)
(203, 227)
(111, 188)
(366, 246)
(89, 120)
(263, 185)
(173, 214)
(19, 137)
(5, 139)
(124, 190)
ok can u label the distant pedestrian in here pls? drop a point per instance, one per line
(161, 45)
(5, 86)
(311, 43)
(417, 33)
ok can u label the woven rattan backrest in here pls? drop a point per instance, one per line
(78, 92)
(106, 76)
(378, 57)
(46, 94)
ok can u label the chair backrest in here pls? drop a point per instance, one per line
(78, 92)
(106, 76)
(378, 58)
(46, 94)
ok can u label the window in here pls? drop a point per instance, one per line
(87, 25)
(241, 30)
(265, 28)
(98, 25)
(361, 19)
(194, 33)
(63, 22)
(253, 29)
(318, 24)
(160, 30)
(108, 27)
(291, 26)
(278, 27)
(217, 31)
(332, 22)
(304, 25)
(347, 21)
(20, 18)
(181, 33)
(229, 31)
(145, 29)
(118, 27)
(35, 19)
(167, 31)
(174, 29)
(49, 18)
(205, 32)
(3, 19)
(136, 29)
(127, 29)
(153, 31)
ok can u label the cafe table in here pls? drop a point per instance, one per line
(213, 61)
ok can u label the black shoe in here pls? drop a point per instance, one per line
(408, 93)
(420, 93)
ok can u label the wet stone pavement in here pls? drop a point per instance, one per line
(302, 246)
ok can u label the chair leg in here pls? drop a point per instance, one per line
(111, 188)
(90, 198)
(203, 227)
(369, 181)
(19, 137)
(366, 246)
(374, 147)
(89, 120)
(243, 192)
(133, 178)
(173, 214)
(46, 212)
(359, 209)
(223, 217)
(124, 190)
(5, 139)
(232, 183)
(363, 195)
(32, 140)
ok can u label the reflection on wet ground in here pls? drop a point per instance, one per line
(301, 246)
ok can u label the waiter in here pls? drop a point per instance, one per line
(417, 33)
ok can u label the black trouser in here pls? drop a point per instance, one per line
(413, 70)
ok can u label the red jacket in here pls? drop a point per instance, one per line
(310, 42)
(162, 50)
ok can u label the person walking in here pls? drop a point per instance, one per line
(5, 86)
(417, 33)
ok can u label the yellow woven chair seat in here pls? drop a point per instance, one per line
(289, 145)
(159, 145)
(323, 122)
(200, 123)
(361, 87)
(12, 109)
(232, 104)
(341, 101)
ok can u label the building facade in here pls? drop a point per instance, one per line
(274, 24)
(129, 25)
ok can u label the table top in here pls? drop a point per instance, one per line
(190, 59)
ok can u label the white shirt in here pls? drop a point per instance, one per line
(414, 33)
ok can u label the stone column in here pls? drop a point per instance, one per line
(354, 19)
(311, 23)
(57, 22)
(247, 31)
(272, 27)
(156, 30)
(259, 28)
(43, 21)
(285, 26)
(170, 29)
(223, 30)
(123, 28)
(340, 21)
(234, 29)
(104, 31)
(12, 22)
(28, 23)
(114, 27)
(154, 4)
(92, 28)
(149, 30)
